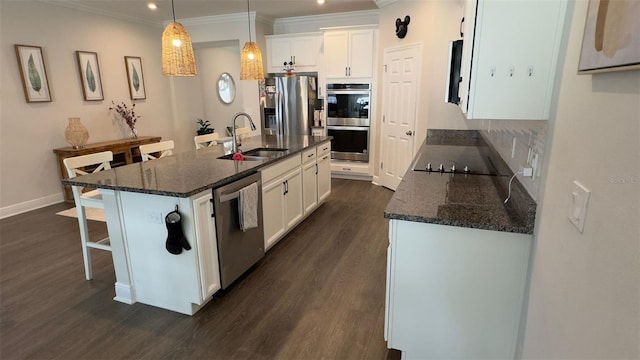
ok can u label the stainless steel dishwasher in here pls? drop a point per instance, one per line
(237, 250)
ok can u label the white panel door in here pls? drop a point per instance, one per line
(400, 93)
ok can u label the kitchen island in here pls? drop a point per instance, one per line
(137, 198)
(458, 255)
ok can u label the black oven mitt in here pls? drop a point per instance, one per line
(175, 240)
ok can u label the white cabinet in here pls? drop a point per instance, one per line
(281, 198)
(323, 165)
(303, 50)
(349, 53)
(509, 62)
(453, 292)
(207, 245)
(309, 180)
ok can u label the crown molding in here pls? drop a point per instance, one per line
(383, 3)
(316, 22)
(112, 14)
(226, 18)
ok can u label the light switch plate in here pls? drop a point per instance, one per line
(578, 200)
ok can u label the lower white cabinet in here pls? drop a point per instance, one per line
(292, 189)
(281, 199)
(323, 166)
(205, 235)
(309, 180)
(453, 292)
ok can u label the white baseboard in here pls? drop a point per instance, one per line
(30, 205)
(376, 180)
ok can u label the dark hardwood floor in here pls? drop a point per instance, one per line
(318, 294)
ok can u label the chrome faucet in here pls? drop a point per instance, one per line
(235, 117)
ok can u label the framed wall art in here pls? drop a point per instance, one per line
(135, 77)
(33, 73)
(611, 40)
(90, 75)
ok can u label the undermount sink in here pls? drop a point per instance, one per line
(258, 154)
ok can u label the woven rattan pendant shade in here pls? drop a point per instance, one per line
(177, 60)
(251, 62)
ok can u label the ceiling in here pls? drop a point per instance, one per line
(136, 10)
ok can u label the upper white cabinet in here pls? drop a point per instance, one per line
(509, 62)
(303, 50)
(349, 53)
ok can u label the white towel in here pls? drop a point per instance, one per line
(248, 207)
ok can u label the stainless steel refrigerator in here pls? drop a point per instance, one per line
(287, 105)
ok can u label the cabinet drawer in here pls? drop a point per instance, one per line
(324, 148)
(280, 168)
(309, 155)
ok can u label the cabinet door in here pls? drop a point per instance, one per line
(207, 245)
(336, 54)
(293, 198)
(469, 15)
(515, 55)
(304, 51)
(273, 212)
(361, 53)
(309, 186)
(324, 177)
(279, 51)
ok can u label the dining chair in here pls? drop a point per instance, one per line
(82, 165)
(165, 148)
(206, 140)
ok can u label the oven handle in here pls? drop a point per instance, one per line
(348, 128)
(349, 92)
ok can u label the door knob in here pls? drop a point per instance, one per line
(409, 133)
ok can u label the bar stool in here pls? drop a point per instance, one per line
(91, 199)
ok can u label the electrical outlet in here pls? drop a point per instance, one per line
(530, 156)
(155, 217)
(534, 163)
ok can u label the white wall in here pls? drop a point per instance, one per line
(213, 62)
(585, 293)
(225, 28)
(29, 132)
(434, 24)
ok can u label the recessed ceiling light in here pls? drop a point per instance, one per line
(320, 2)
(152, 6)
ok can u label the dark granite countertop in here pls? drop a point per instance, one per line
(188, 173)
(472, 201)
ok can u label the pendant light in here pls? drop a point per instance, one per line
(177, 51)
(251, 58)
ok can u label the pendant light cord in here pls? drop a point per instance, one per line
(173, 9)
(248, 20)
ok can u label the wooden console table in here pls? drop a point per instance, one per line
(125, 152)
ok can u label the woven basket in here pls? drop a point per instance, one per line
(177, 60)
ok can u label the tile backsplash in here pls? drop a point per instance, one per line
(528, 135)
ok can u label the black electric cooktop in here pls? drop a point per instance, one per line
(472, 160)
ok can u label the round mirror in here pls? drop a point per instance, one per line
(226, 88)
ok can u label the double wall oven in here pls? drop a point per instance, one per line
(348, 120)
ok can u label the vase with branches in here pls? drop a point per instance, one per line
(128, 115)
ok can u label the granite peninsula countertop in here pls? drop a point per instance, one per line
(472, 201)
(188, 173)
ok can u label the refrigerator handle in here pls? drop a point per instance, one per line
(278, 113)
